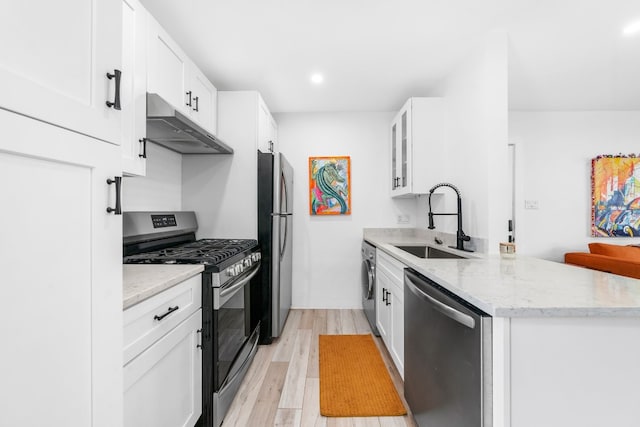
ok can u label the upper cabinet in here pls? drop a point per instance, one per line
(267, 129)
(167, 68)
(245, 119)
(173, 76)
(204, 100)
(134, 87)
(417, 147)
(66, 67)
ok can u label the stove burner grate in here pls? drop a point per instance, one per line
(205, 251)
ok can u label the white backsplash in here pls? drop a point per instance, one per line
(161, 188)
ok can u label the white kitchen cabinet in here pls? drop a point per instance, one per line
(417, 147)
(141, 326)
(134, 87)
(167, 68)
(61, 274)
(173, 76)
(396, 305)
(163, 385)
(390, 306)
(205, 100)
(267, 129)
(383, 314)
(163, 358)
(54, 63)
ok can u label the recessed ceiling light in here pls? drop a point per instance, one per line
(631, 28)
(317, 78)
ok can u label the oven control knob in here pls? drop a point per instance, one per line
(246, 262)
(255, 256)
(231, 272)
(238, 269)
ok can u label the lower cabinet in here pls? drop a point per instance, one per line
(60, 272)
(390, 306)
(163, 379)
(163, 385)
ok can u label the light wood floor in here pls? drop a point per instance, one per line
(282, 386)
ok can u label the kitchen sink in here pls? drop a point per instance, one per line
(427, 252)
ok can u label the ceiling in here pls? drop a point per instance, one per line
(374, 54)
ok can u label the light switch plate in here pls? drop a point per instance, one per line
(531, 204)
(403, 219)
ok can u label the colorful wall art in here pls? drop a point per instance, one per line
(330, 185)
(615, 183)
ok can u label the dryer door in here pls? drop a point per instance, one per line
(367, 278)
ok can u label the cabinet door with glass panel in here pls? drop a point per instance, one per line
(417, 137)
(401, 151)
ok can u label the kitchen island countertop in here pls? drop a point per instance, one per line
(142, 281)
(520, 286)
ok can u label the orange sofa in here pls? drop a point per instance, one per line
(616, 259)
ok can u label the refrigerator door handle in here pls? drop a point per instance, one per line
(286, 230)
(282, 214)
(284, 197)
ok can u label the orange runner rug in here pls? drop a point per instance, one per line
(354, 381)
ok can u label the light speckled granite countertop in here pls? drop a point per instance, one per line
(520, 286)
(142, 281)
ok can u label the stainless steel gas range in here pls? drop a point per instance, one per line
(229, 336)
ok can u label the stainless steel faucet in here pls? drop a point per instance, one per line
(460, 236)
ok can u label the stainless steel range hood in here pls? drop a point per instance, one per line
(170, 128)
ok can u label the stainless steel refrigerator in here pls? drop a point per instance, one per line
(272, 297)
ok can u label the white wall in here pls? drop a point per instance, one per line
(476, 137)
(553, 166)
(326, 250)
(161, 188)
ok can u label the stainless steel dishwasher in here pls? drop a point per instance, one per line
(447, 356)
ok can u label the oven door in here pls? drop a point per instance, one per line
(231, 325)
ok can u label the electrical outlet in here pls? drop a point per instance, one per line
(403, 219)
(531, 204)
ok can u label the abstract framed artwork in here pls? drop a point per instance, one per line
(615, 185)
(330, 185)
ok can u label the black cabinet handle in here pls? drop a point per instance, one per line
(199, 332)
(118, 181)
(143, 141)
(189, 102)
(384, 295)
(116, 102)
(196, 98)
(388, 300)
(169, 311)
